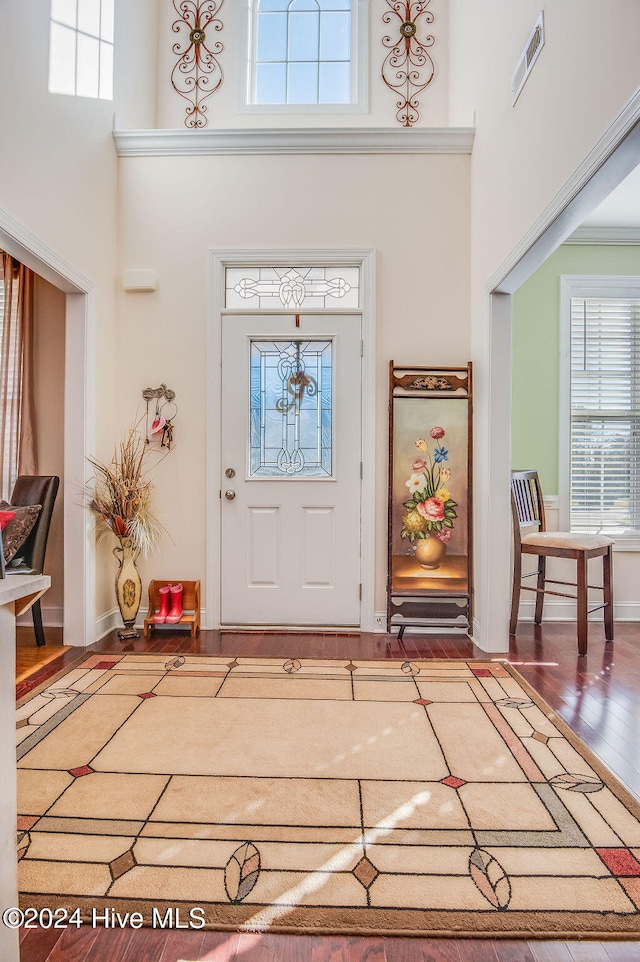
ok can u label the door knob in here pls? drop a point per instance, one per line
(229, 495)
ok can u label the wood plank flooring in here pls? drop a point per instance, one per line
(30, 658)
(598, 696)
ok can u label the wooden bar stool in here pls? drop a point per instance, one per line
(527, 507)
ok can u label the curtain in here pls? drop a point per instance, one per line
(17, 389)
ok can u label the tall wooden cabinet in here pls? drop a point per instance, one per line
(430, 516)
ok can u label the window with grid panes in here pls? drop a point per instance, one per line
(605, 415)
(81, 48)
(303, 52)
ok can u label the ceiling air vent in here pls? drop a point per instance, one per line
(529, 56)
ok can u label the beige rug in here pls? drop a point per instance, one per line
(439, 798)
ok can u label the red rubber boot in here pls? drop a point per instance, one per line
(163, 611)
(176, 606)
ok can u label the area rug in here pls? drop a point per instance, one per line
(405, 798)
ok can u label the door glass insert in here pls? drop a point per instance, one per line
(291, 409)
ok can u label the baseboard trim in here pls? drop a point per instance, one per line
(380, 622)
(52, 617)
(111, 620)
(553, 611)
(566, 611)
(474, 632)
(106, 623)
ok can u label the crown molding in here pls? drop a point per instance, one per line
(605, 235)
(312, 140)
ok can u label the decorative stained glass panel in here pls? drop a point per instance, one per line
(292, 288)
(291, 409)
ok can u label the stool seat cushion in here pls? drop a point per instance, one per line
(566, 539)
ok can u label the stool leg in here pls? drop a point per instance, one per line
(581, 566)
(542, 571)
(607, 563)
(515, 592)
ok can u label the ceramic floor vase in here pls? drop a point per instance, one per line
(128, 587)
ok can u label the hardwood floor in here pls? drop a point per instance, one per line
(598, 696)
(30, 658)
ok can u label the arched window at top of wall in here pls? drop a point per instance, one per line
(303, 52)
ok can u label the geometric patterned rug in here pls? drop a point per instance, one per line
(439, 798)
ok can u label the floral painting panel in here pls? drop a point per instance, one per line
(429, 484)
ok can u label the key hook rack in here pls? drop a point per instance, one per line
(164, 414)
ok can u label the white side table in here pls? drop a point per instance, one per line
(17, 594)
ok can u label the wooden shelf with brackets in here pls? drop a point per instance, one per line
(190, 606)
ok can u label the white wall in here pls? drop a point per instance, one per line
(412, 209)
(61, 182)
(58, 177)
(135, 65)
(522, 157)
(221, 106)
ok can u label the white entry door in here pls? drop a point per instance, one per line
(291, 453)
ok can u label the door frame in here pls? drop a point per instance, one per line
(80, 627)
(605, 166)
(219, 260)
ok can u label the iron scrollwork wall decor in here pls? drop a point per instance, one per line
(408, 68)
(197, 73)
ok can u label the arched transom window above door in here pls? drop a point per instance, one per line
(305, 54)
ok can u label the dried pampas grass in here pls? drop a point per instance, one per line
(119, 494)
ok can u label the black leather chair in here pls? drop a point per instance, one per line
(35, 489)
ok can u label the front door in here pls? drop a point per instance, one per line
(290, 486)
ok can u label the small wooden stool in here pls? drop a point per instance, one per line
(190, 605)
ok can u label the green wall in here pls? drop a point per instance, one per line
(536, 350)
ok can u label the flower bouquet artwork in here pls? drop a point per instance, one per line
(430, 511)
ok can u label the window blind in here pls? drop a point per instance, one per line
(605, 415)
